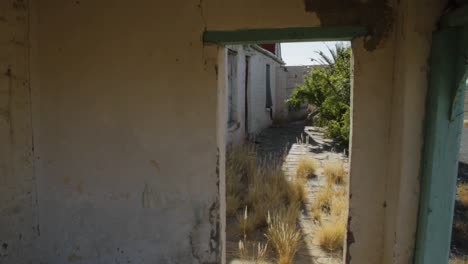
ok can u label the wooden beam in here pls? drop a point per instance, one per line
(247, 36)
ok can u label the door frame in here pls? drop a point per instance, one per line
(442, 133)
(253, 36)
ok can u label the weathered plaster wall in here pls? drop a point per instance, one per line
(414, 26)
(370, 102)
(18, 218)
(125, 133)
(236, 132)
(119, 178)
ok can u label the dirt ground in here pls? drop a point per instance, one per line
(459, 245)
(299, 141)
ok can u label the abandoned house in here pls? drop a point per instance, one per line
(113, 124)
(251, 89)
(258, 85)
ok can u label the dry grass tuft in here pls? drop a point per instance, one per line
(285, 239)
(232, 204)
(339, 206)
(255, 193)
(233, 180)
(333, 202)
(323, 199)
(289, 214)
(297, 192)
(306, 168)
(460, 232)
(276, 180)
(243, 253)
(462, 193)
(242, 159)
(330, 235)
(258, 255)
(262, 188)
(246, 224)
(316, 214)
(267, 192)
(334, 171)
(458, 261)
(261, 253)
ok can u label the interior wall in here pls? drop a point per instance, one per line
(125, 133)
(126, 115)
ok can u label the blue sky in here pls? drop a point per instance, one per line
(301, 53)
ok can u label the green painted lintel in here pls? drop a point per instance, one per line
(283, 35)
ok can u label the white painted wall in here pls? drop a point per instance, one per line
(259, 117)
(236, 131)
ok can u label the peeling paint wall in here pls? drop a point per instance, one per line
(127, 121)
(372, 87)
(376, 15)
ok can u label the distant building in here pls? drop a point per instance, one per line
(251, 89)
(258, 85)
(288, 78)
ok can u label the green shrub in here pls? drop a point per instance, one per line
(328, 88)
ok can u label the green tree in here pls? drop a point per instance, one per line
(328, 88)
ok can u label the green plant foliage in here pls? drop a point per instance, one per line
(328, 88)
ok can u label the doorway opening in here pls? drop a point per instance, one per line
(440, 157)
(287, 154)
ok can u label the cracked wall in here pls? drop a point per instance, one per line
(375, 15)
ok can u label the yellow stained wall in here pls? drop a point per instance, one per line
(127, 159)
